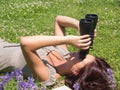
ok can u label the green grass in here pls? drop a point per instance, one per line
(36, 17)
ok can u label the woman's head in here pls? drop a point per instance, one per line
(96, 75)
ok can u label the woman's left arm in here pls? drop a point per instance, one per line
(29, 45)
(62, 22)
(36, 42)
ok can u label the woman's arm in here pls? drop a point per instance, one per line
(62, 22)
(35, 42)
(30, 44)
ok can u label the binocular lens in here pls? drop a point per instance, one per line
(94, 17)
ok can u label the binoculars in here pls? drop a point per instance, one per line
(87, 26)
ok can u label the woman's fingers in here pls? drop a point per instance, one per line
(86, 45)
(84, 36)
(95, 33)
(85, 40)
(80, 41)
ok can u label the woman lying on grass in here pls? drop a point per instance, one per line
(48, 58)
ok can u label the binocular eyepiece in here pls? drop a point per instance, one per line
(87, 26)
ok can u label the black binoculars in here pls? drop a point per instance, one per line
(87, 26)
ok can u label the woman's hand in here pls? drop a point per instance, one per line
(95, 33)
(82, 42)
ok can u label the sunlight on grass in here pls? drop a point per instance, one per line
(28, 17)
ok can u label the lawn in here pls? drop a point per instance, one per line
(36, 17)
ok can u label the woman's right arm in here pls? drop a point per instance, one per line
(62, 22)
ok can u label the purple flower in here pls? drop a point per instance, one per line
(1, 86)
(12, 74)
(43, 88)
(30, 79)
(76, 86)
(31, 83)
(22, 85)
(5, 79)
(111, 78)
(18, 72)
(19, 78)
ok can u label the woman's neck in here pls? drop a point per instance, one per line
(81, 63)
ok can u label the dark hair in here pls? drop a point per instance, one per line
(93, 76)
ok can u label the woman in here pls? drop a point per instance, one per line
(47, 58)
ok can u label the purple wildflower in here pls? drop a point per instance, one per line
(111, 78)
(31, 83)
(5, 79)
(76, 86)
(18, 72)
(1, 86)
(19, 78)
(43, 88)
(22, 85)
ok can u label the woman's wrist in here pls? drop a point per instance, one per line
(73, 40)
(68, 39)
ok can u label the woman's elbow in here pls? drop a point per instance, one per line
(24, 42)
(58, 18)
